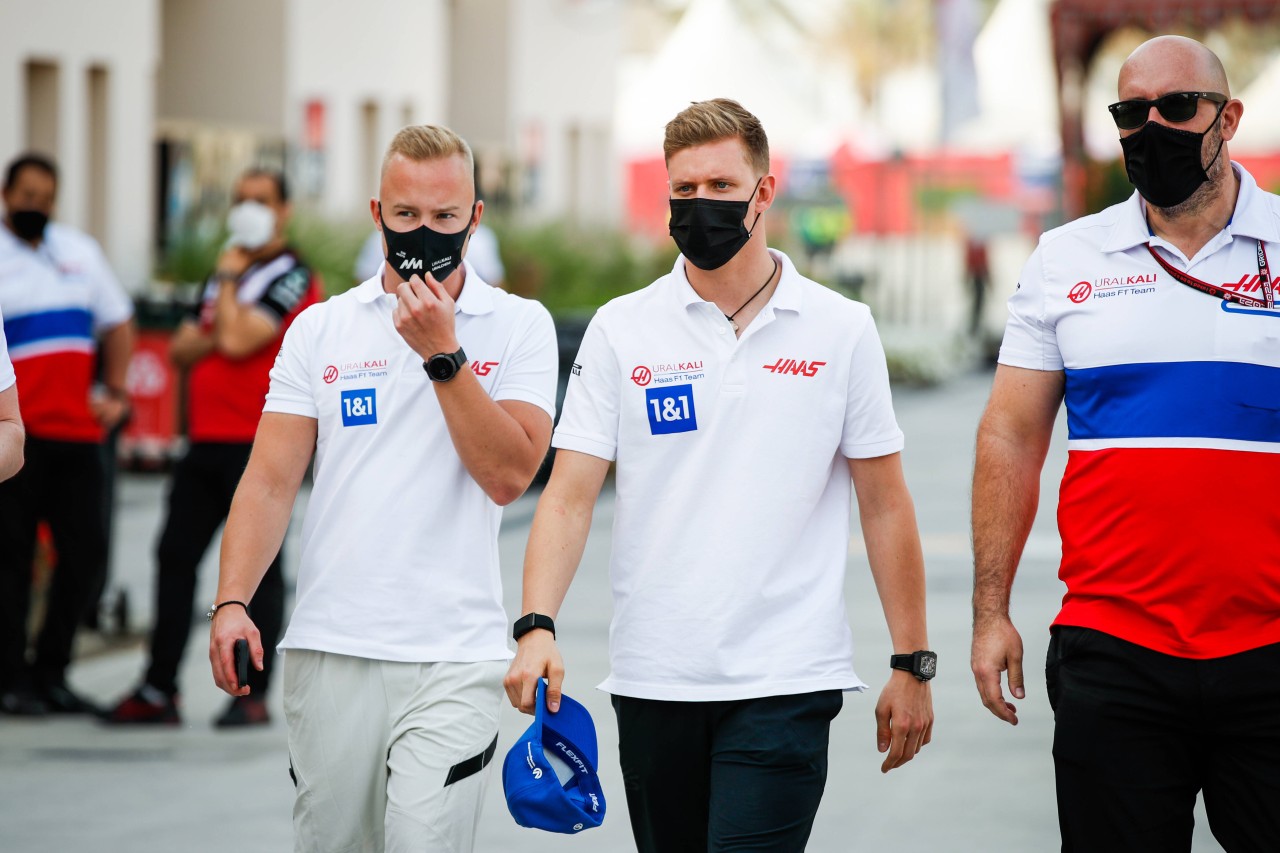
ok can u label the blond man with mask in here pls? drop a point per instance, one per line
(740, 401)
(426, 396)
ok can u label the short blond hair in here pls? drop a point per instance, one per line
(710, 121)
(419, 142)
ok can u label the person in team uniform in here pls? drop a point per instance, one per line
(1155, 320)
(11, 431)
(65, 315)
(258, 289)
(739, 399)
(426, 396)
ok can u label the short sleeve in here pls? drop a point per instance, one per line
(589, 420)
(1030, 341)
(870, 427)
(285, 293)
(290, 392)
(7, 376)
(532, 364)
(111, 305)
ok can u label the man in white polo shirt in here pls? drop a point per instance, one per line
(1155, 321)
(11, 432)
(738, 399)
(428, 403)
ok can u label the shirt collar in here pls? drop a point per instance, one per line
(787, 296)
(1251, 218)
(476, 296)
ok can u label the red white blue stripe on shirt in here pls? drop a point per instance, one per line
(49, 332)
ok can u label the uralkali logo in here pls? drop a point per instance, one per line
(1080, 292)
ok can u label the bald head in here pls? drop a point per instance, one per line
(1171, 64)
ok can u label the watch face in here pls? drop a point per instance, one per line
(928, 665)
(441, 368)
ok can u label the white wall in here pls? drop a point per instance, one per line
(563, 81)
(122, 37)
(392, 54)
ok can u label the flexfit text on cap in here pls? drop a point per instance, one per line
(536, 796)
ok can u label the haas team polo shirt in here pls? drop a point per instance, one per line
(399, 545)
(57, 298)
(7, 377)
(225, 395)
(731, 531)
(1168, 514)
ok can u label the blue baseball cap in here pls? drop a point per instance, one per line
(549, 775)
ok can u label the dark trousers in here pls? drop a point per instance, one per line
(61, 483)
(1140, 733)
(715, 776)
(204, 482)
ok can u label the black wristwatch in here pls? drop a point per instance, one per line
(443, 366)
(922, 664)
(530, 621)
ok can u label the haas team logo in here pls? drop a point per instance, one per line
(642, 376)
(330, 375)
(1080, 292)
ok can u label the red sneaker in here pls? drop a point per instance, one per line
(243, 711)
(146, 705)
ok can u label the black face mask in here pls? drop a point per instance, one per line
(1164, 163)
(29, 225)
(708, 231)
(423, 251)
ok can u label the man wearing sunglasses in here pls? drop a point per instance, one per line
(1155, 321)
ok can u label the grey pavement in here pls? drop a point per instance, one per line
(72, 785)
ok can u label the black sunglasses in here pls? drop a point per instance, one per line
(1175, 107)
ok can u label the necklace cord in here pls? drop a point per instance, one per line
(772, 273)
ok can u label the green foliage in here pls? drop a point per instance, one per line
(190, 257)
(329, 248)
(1105, 183)
(571, 270)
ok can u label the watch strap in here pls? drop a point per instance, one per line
(531, 621)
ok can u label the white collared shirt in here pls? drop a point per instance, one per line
(1169, 522)
(733, 491)
(399, 546)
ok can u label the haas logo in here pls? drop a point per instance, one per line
(789, 366)
(1080, 292)
(483, 368)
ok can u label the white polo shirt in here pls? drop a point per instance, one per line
(399, 545)
(7, 377)
(1168, 512)
(733, 491)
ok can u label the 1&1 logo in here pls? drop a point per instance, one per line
(642, 376)
(1080, 292)
(330, 375)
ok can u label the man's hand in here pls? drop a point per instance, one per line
(536, 656)
(233, 262)
(997, 647)
(424, 316)
(108, 409)
(230, 624)
(904, 719)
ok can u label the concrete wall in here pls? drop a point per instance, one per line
(77, 80)
(563, 80)
(223, 63)
(375, 67)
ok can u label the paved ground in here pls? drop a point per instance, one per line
(71, 785)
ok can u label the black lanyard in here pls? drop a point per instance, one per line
(1264, 273)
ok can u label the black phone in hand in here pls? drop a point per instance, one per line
(241, 654)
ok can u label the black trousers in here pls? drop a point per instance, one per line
(61, 484)
(1140, 733)
(716, 776)
(204, 482)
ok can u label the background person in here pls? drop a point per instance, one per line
(738, 399)
(397, 643)
(11, 431)
(63, 309)
(1154, 320)
(259, 286)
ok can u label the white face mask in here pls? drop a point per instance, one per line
(251, 225)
